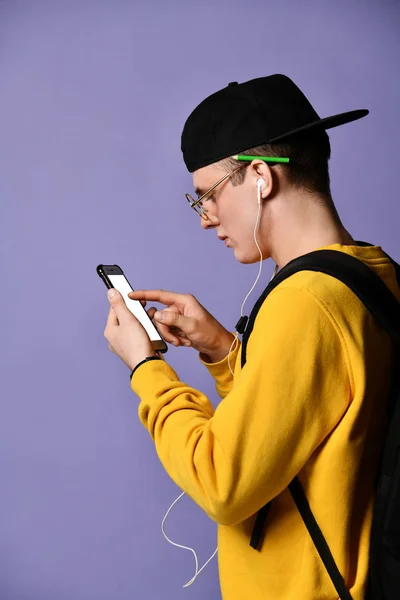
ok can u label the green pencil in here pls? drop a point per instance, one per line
(275, 159)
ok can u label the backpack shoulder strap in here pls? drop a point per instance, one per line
(317, 537)
(364, 282)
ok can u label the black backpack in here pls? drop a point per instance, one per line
(384, 557)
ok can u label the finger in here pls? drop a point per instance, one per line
(112, 318)
(120, 308)
(175, 331)
(180, 341)
(156, 296)
(174, 334)
(175, 320)
(167, 335)
(178, 332)
(151, 312)
(166, 332)
(142, 302)
(170, 334)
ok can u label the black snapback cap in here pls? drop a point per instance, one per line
(245, 115)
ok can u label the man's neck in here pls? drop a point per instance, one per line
(305, 227)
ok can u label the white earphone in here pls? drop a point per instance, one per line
(261, 183)
(260, 186)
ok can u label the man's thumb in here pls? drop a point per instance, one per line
(158, 315)
(169, 317)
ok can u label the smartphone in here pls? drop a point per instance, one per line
(113, 277)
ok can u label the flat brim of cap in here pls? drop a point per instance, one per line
(326, 123)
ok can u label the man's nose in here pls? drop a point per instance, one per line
(211, 222)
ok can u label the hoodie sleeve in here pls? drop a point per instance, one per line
(220, 370)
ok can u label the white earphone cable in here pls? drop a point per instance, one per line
(259, 271)
(198, 571)
(185, 547)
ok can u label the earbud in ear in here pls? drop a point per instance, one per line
(260, 186)
(261, 183)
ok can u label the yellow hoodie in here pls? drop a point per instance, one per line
(309, 401)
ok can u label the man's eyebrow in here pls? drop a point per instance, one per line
(199, 191)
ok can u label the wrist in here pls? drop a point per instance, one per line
(220, 352)
(144, 360)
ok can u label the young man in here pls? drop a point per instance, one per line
(310, 399)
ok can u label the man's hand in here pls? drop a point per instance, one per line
(126, 335)
(185, 322)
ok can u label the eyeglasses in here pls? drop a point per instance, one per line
(197, 204)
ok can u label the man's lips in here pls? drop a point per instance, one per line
(224, 238)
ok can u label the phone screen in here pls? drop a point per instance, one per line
(121, 284)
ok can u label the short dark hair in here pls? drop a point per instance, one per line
(308, 169)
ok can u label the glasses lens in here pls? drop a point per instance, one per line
(198, 207)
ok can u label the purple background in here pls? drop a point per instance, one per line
(93, 98)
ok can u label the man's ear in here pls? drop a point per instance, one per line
(261, 170)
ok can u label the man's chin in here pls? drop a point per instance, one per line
(247, 259)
